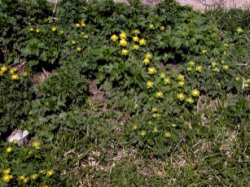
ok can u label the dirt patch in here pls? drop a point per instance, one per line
(197, 4)
(203, 4)
(206, 4)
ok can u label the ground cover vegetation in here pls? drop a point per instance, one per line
(124, 94)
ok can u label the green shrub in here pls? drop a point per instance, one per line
(29, 165)
(15, 97)
(128, 77)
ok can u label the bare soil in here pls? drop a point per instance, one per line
(204, 4)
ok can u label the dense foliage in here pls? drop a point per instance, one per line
(153, 80)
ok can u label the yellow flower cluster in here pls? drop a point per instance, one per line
(181, 80)
(239, 30)
(53, 28)
(7, 177)
(36, 144)
(80, 24)
(147, 58)
(12, 71)
(32, 29)
(192, 64)
(122, 40)
(149, 84)
(195, 93)
(159, 95)
(152, 70)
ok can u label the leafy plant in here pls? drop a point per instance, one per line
(15, 97)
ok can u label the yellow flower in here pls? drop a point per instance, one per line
(36, 144)
(123, 43)
(151, 26)
(15, 142)
(146, 61)
(31, 29)
(54, 28)
(34, 177)
(42, 171)
(195, 93)
(123, 35)
(15, 77)
(135, 127)
(159, 95)
(86, 36)
(78, 25)
(21, 177)
(155, 130)
(125, 52)
(61, 32)
(37, 30)
(114, 38)
(6, 171)
(136, 31)
(151, 70)
(174, 125)
(181, 83)
(25, 180)
(203, 51)
(7, 178)
(167, 134)
(190, 100)
(78, 49)
(142, 42)
(156, 115)
(191, 63)
(143, 133)
(239, 30)
(136, 47)
(167, 80)
(4, 69)
(198, 68)
(50, 172)
(213, 64)
(154, 110)
(189, 69)
(136, 106)
(181, 96)
(9, 149)
(73, 42)
(149, 84)
(148, 55)
(181, 77)
(83, 24)
(162, 28)
(225, 67)
(238, 79)
(162, 75)
(12, 71)
(135, 38)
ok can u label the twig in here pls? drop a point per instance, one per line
(246, 64)
(21, 64)
(54, 9)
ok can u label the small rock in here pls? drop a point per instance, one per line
(18, 135)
